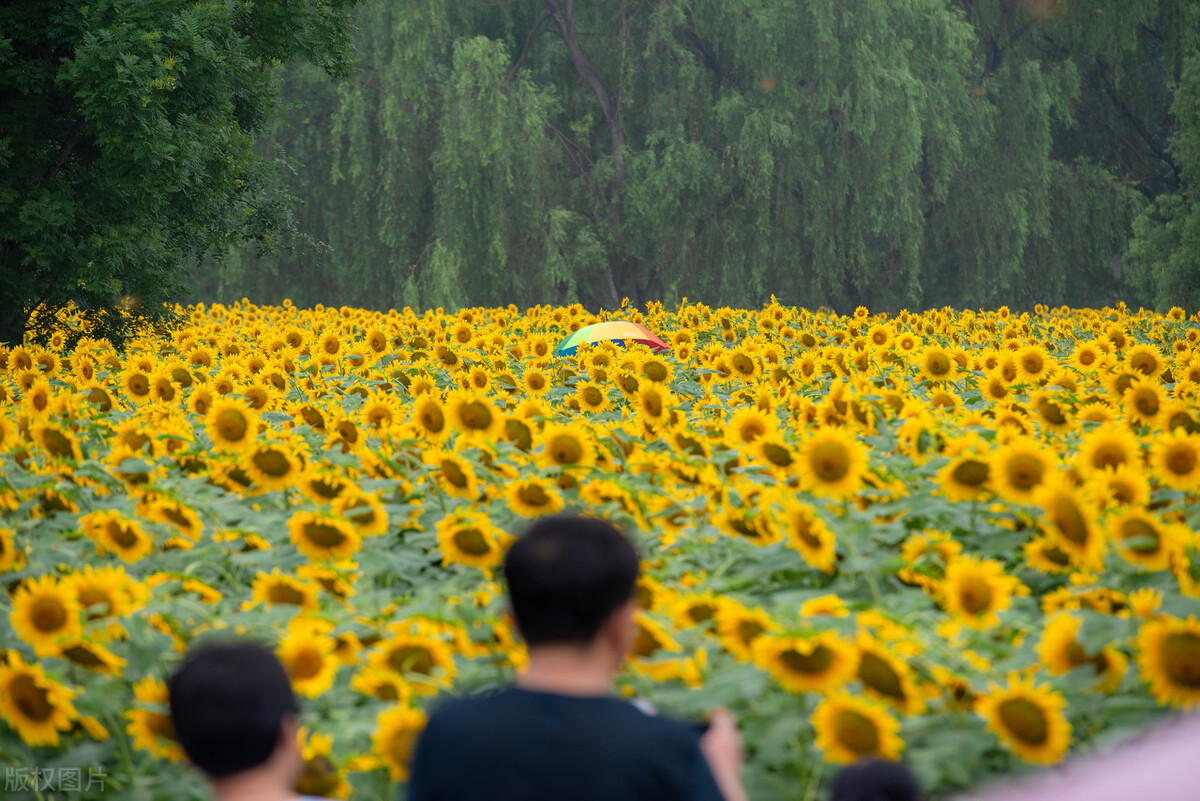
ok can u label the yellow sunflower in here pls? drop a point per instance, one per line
(307, 654)
(747, 425)
(1175, 460)
(1143, 402)
(565, 446)
(396, 733)
(739, 627)
(363, 511)
(533, 497)
(1169, 659)
(1068, 518)
(821, 663)
(849, 728)
(45, 612)
(1060, 652)
(419, 657)
(453, 474)
(231, 425)
(10, 557)
(1028, 719)
(965, 478)
(976, 589)
(1019, 467)
(271, 466)
(467, 538)
(150, 721)
(322, 537)
(592, 397)
(887, 677)
(808, 534)
(92, 656)
(474, 417)
(429, 418)
(35, 706)
(832, 463)
(278, 587)
(1145, 539)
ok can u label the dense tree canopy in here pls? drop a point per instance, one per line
(127, 133)
(840, 152)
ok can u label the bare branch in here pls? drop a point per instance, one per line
(537, 26)
(67, 148)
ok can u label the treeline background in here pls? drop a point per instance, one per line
(886, 153)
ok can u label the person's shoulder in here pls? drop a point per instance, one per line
(452, 710)
(662, 728)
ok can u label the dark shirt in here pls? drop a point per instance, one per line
(522, 745)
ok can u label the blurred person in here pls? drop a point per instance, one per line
(875, 780)
(560, 733)
(235, 715)
(1155, 765)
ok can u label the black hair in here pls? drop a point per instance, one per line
(566, 576)
(876, 780)
(228, 701)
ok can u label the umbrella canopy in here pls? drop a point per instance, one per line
(618, 331)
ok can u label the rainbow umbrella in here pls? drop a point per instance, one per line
(618, 331)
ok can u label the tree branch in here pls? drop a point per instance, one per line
(537, 26)
(67, 148)
(1121, 103)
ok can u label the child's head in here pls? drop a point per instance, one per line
(233, 711)
(876, 780)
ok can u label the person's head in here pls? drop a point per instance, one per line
(571, 582)
(876, 780)
(233, 711)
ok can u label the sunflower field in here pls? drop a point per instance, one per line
(964, 539)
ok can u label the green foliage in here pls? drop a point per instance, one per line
(126, 146)
(1166, 250)
(878, 152)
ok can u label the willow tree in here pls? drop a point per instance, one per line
(839, 152)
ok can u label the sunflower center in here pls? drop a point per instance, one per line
(1181, 460)
(565, 449)
(875, 672)
(94, 596)
(856, 732)
(743, 364)
(646, 643)
(816, 662)
(1069, 520)
(284, 594)
(652, 404)
(411, 659)
(777, 455)
(273, 463)
(48, 614)
(122, 535)
(830, 462)
(655, 371)
(32, 700)
(232, 425)
(161, 725)
(454, 474)
(938, 364)
(56, 442)
(1025, 471)
(975, 595)
(1024, 719)
(1145, 537)
(971, 473)
(82, 655)
(1146, 402)
(307, 663)
(1107, 456)
(471, 541)
(475, 416)
(751, 429)
(1181, 658)
(325, 535)
(533, 495)
(592, 396)
(700, 612)
(139, 385)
